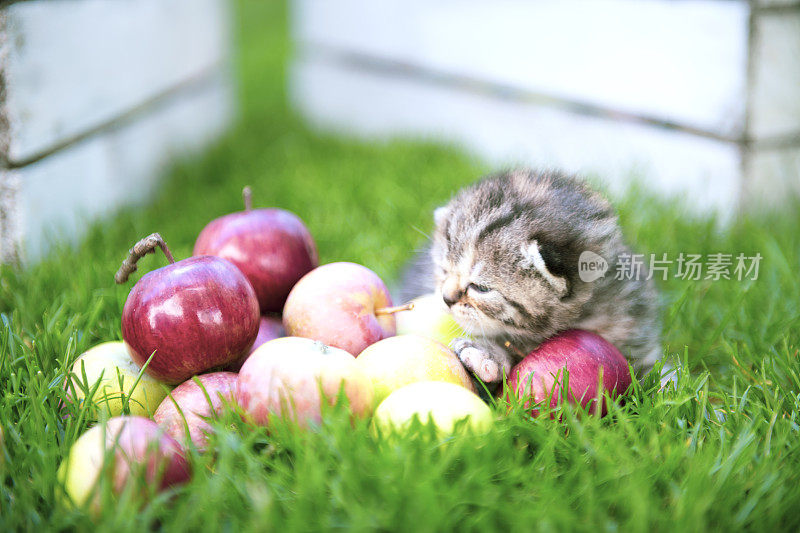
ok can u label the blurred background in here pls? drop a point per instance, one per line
(100, 98)
(696, 97)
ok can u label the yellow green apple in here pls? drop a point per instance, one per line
(445, 404)
(429, 317)
(398, 361)
(111, 365)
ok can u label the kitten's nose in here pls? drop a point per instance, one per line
(451, 292)
(449, 299)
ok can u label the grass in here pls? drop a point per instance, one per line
(665, 460)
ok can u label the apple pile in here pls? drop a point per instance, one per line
(252, 323)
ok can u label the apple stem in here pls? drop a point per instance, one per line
(247, 198)
(392, 310)
(515, 349)
(139, 250)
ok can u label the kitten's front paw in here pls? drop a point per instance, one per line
(477, 360)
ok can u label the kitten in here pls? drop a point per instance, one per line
(504, 258)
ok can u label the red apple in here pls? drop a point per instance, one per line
(130, 443)
(272, 247)
(342, 305)
(194, 401)
(195, 314)
(290, 377)
(583, 355)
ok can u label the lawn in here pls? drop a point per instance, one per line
(720, 451)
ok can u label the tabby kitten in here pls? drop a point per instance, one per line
(504, 258)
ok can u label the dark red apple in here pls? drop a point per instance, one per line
(196, 314)
(343, 305)
(192, 403)
(137, 443)
(583, 355)
(272, 247)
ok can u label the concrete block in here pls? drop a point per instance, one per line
(699, 97)
(778, 3)
(771, 175)
(506, 132)
(74, 65)
(775, 91)
(678, 62)
(57, 196)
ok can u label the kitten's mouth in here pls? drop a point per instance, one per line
(474, 322)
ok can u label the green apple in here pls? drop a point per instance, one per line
(445, 404)
(111, 365)
(398, 361)
(429, 317)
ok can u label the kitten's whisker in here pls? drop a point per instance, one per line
(452, 329)
(483, 330)
(421, 232)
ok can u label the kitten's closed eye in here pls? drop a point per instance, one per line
(479, 288)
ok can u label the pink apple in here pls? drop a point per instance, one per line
(131, 444)
(336, 304)
(272, 247)
(291, 377)
(194, 401)
(584, 355)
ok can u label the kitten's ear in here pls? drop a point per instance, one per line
(440, 215)
(532, 258)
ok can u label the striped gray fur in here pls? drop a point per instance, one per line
(504, 256)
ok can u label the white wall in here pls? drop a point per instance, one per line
(99, 95)
(697, 97)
